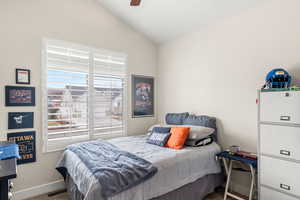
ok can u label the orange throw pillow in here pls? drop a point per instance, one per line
(178, 137)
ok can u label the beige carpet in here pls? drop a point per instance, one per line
(64, 196)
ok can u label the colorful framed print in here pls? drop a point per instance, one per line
(20, 120)
(27, 147)
(22, 76)
(19, 96)
(142, 96)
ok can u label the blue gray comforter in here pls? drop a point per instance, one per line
(114, 169)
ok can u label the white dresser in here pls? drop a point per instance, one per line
(279, 145)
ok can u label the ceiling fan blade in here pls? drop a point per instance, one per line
(135, 2)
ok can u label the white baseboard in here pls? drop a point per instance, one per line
(39, 190)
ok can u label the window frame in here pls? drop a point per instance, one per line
(59, 143)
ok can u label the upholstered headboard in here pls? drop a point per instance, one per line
(193, 120)
(176, 118)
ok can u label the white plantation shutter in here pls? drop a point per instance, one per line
(109, 90)
(84, 93)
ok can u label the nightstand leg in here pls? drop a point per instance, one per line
(252, 181)
(228, 180)
(225, 165)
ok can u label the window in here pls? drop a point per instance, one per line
(83, 95)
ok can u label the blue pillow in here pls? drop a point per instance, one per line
(159, 136)
(176, 118)
(161, 129)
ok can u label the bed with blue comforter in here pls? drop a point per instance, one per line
(128, 168)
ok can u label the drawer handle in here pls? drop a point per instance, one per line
(287, 94)
(285, 118)
(285, 152)
(285, 187)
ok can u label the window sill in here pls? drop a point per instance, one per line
(56, 145)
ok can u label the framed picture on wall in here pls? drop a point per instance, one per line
(20, 120)
(27, 147)
(142, 96)
(19, 96)
(22, 76)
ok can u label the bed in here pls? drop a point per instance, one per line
(190, 173)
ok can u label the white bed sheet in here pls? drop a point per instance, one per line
(176, 168)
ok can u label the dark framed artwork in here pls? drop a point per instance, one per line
(19, 96)
(22, 76)
(142, 96)
(27, 147)
(20, 120)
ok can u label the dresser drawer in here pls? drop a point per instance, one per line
(281, 107)
(268, 194)
(282, 141)
(280, 174)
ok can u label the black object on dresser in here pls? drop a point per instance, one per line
(8, 171)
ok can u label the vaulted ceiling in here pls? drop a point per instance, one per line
(164, 20)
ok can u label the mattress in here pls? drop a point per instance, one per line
(176, 168)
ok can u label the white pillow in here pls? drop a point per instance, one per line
(149, 131)
(196, 132)
(199, 132)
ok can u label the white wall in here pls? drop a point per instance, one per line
(217, 71)
(23, 24)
